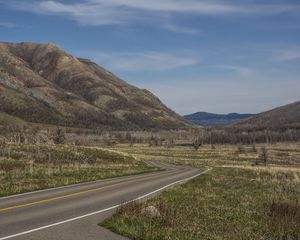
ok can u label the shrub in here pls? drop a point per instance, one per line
(59, 136)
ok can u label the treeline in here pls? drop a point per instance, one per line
(213, 136)
(33, 134)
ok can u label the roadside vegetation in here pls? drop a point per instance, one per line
(26, 168)
(251, 192)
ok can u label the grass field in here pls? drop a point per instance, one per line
(236, 199)
(26, 168)
(286, 155)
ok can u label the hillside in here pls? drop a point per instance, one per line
(279, 119)
(42, 83)
(212, 119)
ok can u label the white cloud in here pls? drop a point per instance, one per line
(107, 12)
(172, 5)
(195, 6)
(179, 29)
(144, 61)
(7, 24)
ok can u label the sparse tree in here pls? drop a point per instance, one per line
(264, 156)
(170, 143)
(131, 142)
(254, 148)
(128, 136)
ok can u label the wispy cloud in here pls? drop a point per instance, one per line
(243, 71)
(288, 54)
(144, 61)
(104, 12)
(7, 24)
(179, 29)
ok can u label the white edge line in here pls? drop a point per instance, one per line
(103, 210)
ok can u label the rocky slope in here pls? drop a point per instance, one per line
(42, 83)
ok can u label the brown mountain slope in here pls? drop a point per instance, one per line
(43, 83)
(279, 119)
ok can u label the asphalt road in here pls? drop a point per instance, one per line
(73, 212)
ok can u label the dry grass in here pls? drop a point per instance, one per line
(30, 167)
(223, 204)
(285, 155)
(235, 200)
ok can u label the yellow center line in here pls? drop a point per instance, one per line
(55, 198)
(71, 195)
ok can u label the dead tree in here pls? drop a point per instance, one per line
(264, 156)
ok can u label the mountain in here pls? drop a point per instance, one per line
(212, 119)
(42, 83)
(279, 119)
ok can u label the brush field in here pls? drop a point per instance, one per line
(239, 198)
(25, 168)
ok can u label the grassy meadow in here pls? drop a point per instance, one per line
(250, 192)
(285, 155)
(26, 168)
(239, 198)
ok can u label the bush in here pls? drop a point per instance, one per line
(59, 136)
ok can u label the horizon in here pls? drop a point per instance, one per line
(202, 56)
(222, 113)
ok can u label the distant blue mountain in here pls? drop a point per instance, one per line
(212, 119)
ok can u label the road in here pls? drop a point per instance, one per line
(73, 212)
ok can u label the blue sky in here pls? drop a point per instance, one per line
(196, 55)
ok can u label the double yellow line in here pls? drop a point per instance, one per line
(80, 193)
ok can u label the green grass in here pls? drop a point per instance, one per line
(226, 203)
(26, 168)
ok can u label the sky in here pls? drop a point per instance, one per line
(218, 56)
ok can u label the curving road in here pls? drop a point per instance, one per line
(73, 212)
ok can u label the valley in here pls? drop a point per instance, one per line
(81, 147)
